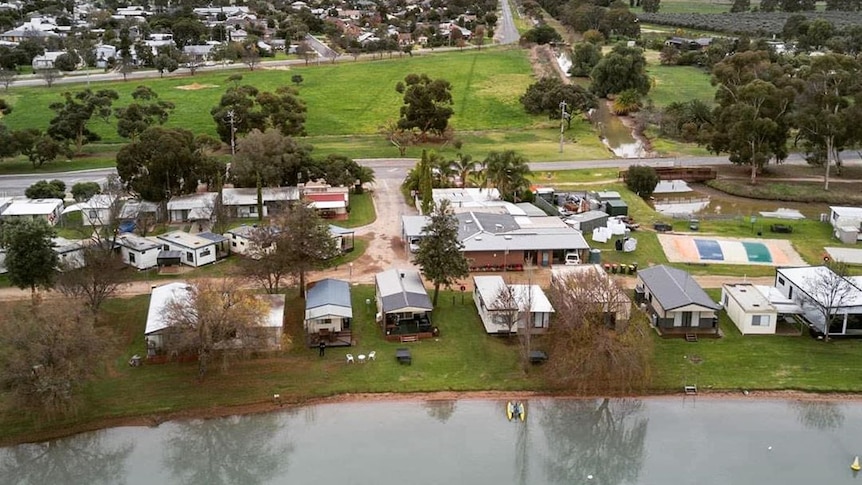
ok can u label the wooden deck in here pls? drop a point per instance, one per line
(681, 332)
(333, 339)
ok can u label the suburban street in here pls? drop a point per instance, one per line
(506, 32)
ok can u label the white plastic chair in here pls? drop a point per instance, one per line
(372, 354)
(349, 358)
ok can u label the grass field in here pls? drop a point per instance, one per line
(679, 83)
(463, 358)
(344, 99)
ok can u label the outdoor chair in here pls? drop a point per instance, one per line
(349, 358)
(372, 354)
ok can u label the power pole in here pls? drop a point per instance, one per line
(232, 120)
(563, 115)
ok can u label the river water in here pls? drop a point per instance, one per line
(661, 441)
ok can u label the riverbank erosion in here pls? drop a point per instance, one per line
(285, 403)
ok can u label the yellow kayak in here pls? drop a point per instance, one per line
(522, 411)
(510, 410)
(855, 466)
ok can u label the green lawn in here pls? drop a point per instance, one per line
(362, 211)
(485, 87)
(758, 362)
(679, 84)
(463, 358)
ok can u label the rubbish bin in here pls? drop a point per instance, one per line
(595, 256)
(607, 268)
(614, 268)
(631, 269)
(634, 267)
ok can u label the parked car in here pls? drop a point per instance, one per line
(573, 259)
(414, 245)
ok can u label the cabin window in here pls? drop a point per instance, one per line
(233, 243)
(93, 215)
(205, 253)
(781, 281)
(760, 320)
(131, 257)
(190, 257)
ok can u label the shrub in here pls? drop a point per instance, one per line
(641, 179)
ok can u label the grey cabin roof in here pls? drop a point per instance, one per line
(401, 288)
(328, 292)
(675, 288)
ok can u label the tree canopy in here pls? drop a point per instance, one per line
(144, 111)
(163, 163)
(30, 258)
(546, 95)
(43, 189)
(73, 115)
(427, 104)
(269, 158)
(508, 172)
(244, 108)
(621, 69)
(439, 255)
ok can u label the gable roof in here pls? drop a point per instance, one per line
(329, 297)
(675, 288)
(160, 298)
(400, 289)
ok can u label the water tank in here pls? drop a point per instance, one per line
(595, 256)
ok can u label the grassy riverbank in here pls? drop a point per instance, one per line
(463, 359)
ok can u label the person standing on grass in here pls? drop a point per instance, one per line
(322, 347)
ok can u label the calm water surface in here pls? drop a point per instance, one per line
(654, 441)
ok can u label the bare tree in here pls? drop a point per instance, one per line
(7, 77)
(304, 240)
(265, 265)
(46, 353)
(215, 318)
(828, 291)
(96, 281)
(399, 138)
(305, 51)
(505, 307)
(250, 54)
(588, 352)
(49, 76)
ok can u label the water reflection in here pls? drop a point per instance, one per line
(238, 449)
(85, 459)
(440, 409)
(603, 438)
(820, 415)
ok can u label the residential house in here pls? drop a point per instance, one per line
(46, 60)
(242, 202)
(329, 205)
(192, 208)
(404, 308)
(97, 211)
(199, 52)
(599, 290)
(492, 241)
(756, 309)
(846, 223)
(500, 304)
(103, 54)
(162, 298)
(243, 241)
(139, 252)
(48, 209)
(819, 290)
(344, 238)
(675, 302)
(140, 211)
(328, 313)
(684, 43)
(196, 249)
(70, 254)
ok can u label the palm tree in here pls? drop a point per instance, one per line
(464, 166)
(508, 172)
(442, 170)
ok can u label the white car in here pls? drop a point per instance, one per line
(414, 245)
(573, 259)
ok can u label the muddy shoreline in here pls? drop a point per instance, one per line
(154, 420)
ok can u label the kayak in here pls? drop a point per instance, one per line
(510, 410)
(522, 411)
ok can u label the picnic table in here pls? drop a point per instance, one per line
(403, 356)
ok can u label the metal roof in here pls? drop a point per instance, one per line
(749, 297)
(807, 279)
(329, 292)
(248, 196)
(212, 237)
(674, 288)
(489, 287)
(186, 240)
(138, 243)
(402, 288)
(414, 225)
